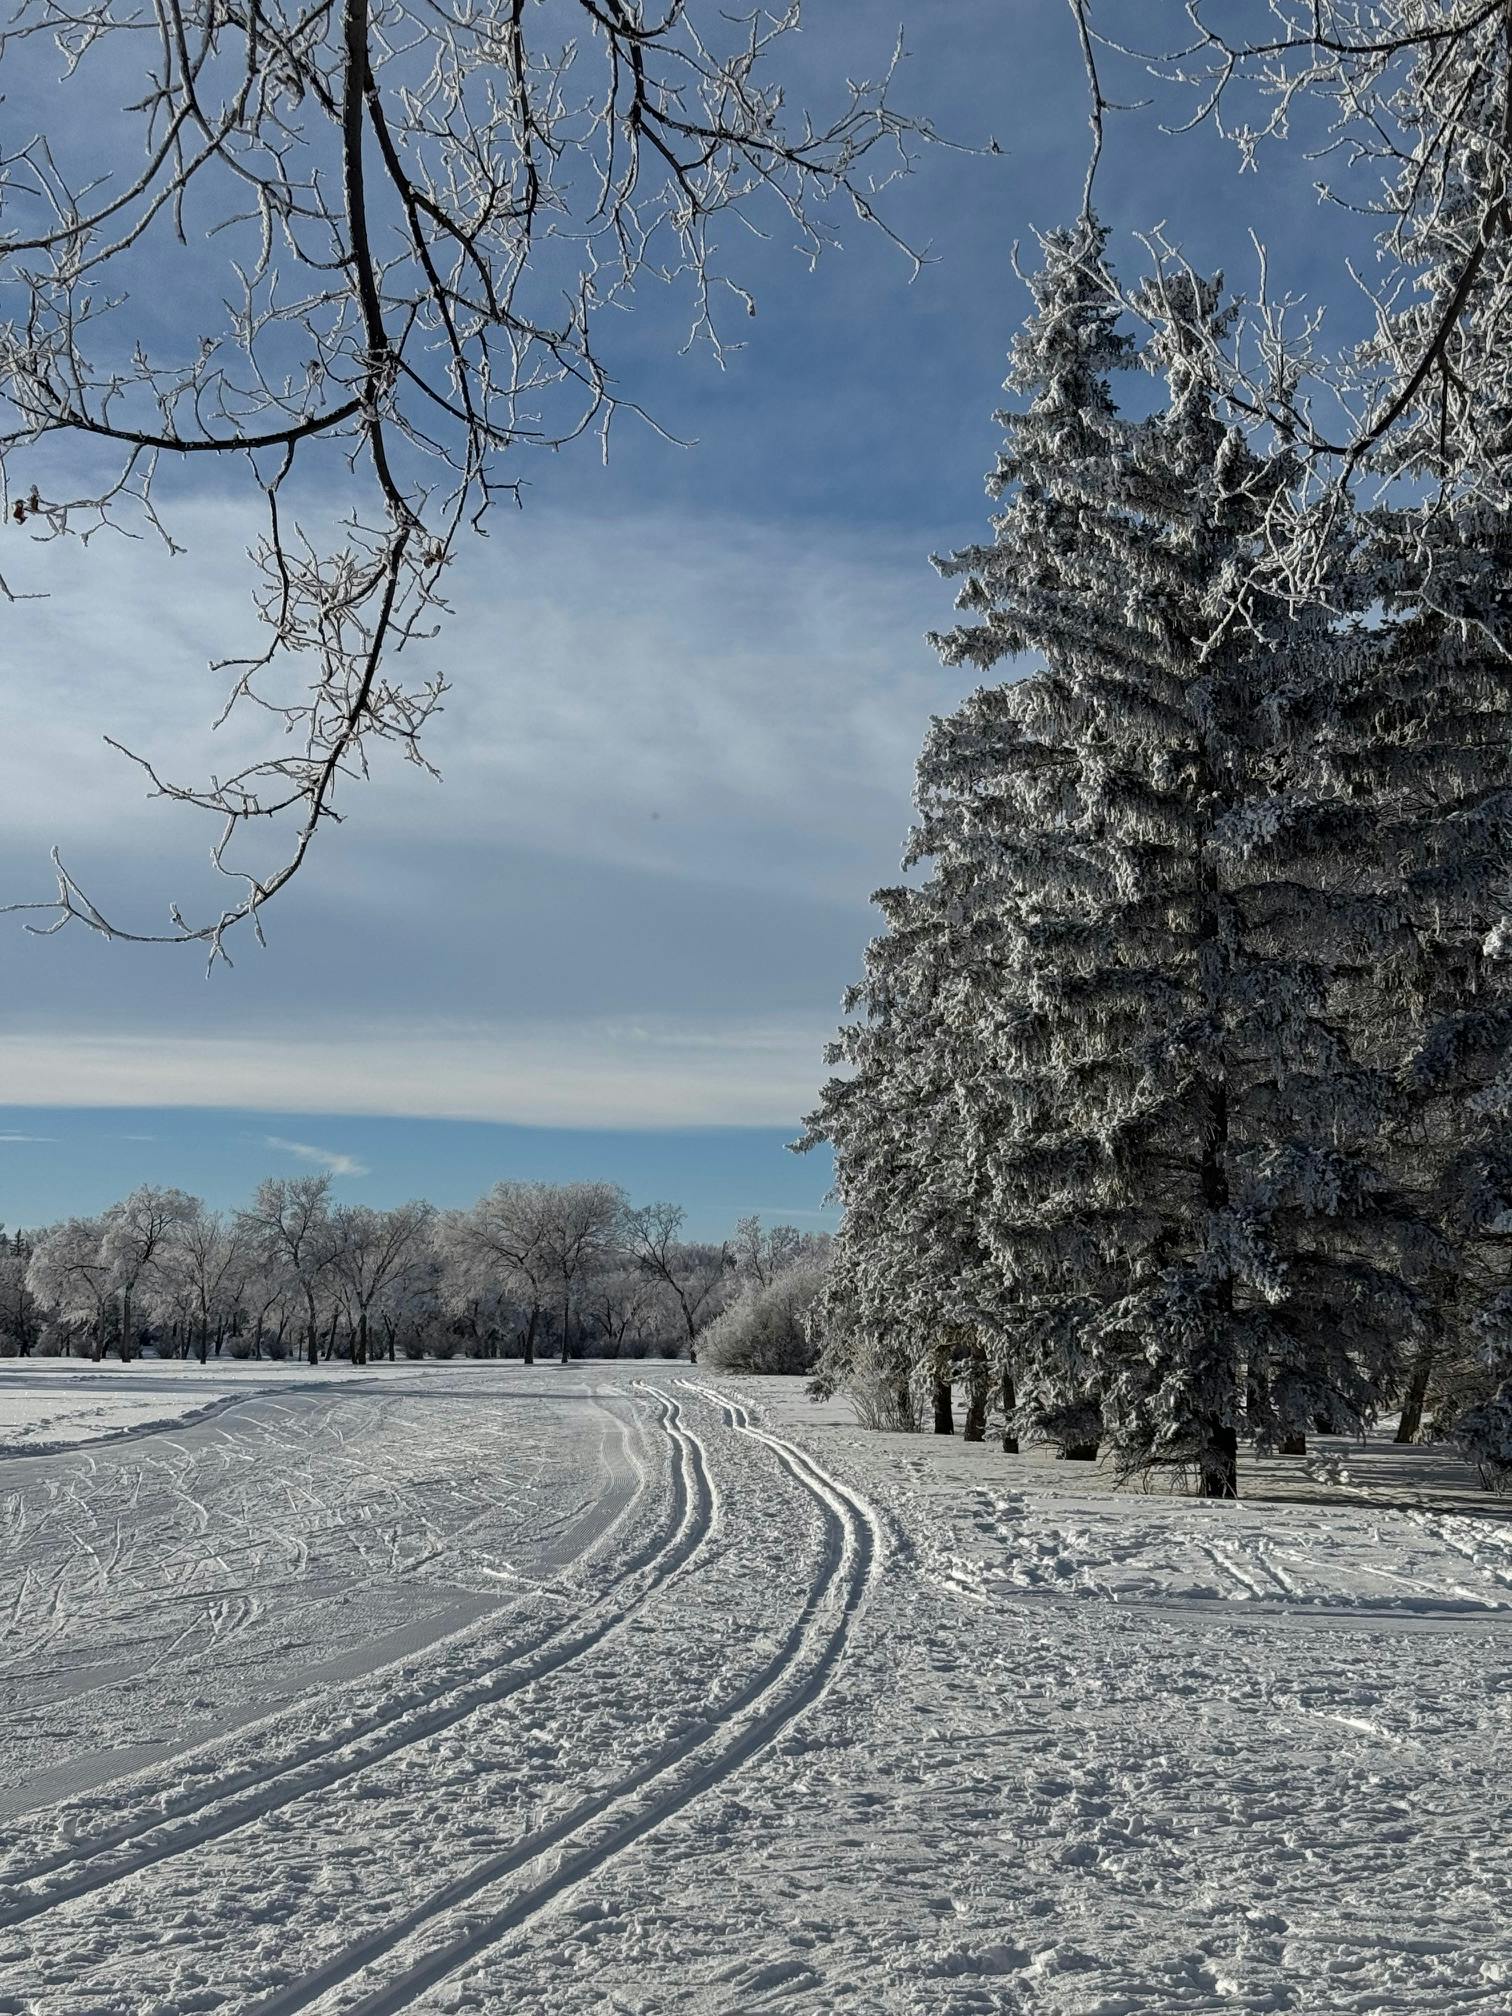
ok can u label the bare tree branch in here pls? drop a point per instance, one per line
(394, 229)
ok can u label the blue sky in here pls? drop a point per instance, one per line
(687, 692)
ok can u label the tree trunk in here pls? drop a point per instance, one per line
(1293, 1445)
(360, 1346)
(1080, 1452)
(944, 1412)
(1220, 1468)
(313, 1336)
(976, 1397)
(903, 1400)
(1010, 1415)
(1416, 1396)
(125, 1326)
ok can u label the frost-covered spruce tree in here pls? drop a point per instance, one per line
(1431, 716)
(899, 1313)
(1422, 734)
(1418, 729)
(997, 875)
(1175, 1125)
(916, 1286)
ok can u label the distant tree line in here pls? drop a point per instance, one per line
(569, 1269)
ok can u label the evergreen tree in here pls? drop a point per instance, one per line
(1178, 1119)
(899, 1309)
(1426, 732)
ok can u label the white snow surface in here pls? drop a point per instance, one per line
(624, 1689)
(48, 1404)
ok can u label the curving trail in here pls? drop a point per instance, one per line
(511, 1762)
(597, 1830)
(240, 1797)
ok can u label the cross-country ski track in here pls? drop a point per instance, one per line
(196, 1818)
(632, 1691)
(449, 1935)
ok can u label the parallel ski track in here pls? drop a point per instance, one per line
(241, 1799)
(602, 1827)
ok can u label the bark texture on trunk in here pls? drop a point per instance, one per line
(976, 1397)
(1416, 1397)
(1010, 1415)
(1220, 1469)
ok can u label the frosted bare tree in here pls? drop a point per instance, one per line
(497, 1253)
(579, 1235)
(69, 1276)
(203, 1280)
(693, 1272)
(139, 1237)
(1407, 107)
(371, 1252)
(288, 1225)
(393, 234)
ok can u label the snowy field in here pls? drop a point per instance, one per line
(48, 1403)
(612, 1690)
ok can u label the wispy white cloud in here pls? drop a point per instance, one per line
(604, 1072)
(332, 1160)
(28, 1137)
(681, 696)
(676, 760)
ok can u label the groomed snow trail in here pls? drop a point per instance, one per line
(438, 1935)
(764, 1718)
(207, 1811)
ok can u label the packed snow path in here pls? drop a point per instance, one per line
(548, 1691)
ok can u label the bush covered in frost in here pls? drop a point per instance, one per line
(765, 1328)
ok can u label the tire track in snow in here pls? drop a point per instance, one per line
(241, 1799)
(604, 1826)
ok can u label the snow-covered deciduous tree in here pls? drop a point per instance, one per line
(694, 1273)
(288, 1224)
(202, 1280)
(1407, 106)
(69, 1275)
(766, 1327)
(629, 1309)
(579, 1233)
(761, 1252)
(497, 1253)
(414, 227)
(371, 1253)
(138, 1237)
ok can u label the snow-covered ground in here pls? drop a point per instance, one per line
(50, 1403)
(617, 1689)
